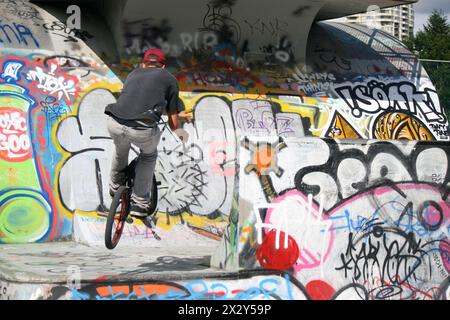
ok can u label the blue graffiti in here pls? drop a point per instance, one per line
(17, 33)
(11, 69)
(268, 288)
(52, 109)
(358, 223)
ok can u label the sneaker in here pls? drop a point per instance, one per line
(102, 210)
(137, 211)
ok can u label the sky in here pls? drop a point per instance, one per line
(424, 8)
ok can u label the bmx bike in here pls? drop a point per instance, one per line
(119, 210)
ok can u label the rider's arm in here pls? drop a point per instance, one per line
(176, 113)
(175, 125)
(174, 121)
(176, 109)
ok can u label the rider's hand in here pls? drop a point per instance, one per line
(185, 116)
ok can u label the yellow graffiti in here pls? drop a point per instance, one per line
(400, 126)
(341, 129)
(317, 109)
(247, 235)
(306, 107)
(166, 222)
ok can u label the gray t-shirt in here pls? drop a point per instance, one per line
(147, 93)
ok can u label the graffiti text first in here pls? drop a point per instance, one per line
(375, 96)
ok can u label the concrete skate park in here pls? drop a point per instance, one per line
(317, 165)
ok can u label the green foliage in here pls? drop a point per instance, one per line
(433, 43)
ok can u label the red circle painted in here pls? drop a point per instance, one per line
(320, 290)
(277, 259)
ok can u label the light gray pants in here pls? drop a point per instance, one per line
(147, 140)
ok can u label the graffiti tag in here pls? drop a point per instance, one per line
(375, 96)
(52, 84)
(17, 33)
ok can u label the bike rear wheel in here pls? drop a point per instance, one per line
(118, 213)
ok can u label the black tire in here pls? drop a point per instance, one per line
(153, 197)
(112, 237)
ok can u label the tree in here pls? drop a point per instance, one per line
(433, 43)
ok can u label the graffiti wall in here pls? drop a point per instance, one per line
(274, 173)
(254, 285)
(55, 150)
(273, 286)
(374, 87)
(368, 215)
(40, 84)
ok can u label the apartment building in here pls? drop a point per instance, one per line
(398, 21)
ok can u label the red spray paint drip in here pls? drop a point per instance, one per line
(277, 259)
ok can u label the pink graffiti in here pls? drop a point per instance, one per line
(218, 158)
(444, 247)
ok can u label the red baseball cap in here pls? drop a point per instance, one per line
(155, 55)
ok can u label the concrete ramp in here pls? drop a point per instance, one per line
(74, 271)
(49, 271)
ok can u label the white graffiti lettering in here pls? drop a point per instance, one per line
(52, 84)
(374, 96)
(14, 141)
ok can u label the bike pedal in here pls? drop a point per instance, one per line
(154, 222)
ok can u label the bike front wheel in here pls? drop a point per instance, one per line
(118, 213)
(153, 197)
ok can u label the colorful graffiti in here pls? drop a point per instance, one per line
(353, 94)
(52, 123)
(68, 132)
(255, 286)
(374, 215)
(191, 175)
(35, 94)
(37, 90)
(259, 177)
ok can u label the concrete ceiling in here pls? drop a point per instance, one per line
(329, 8)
